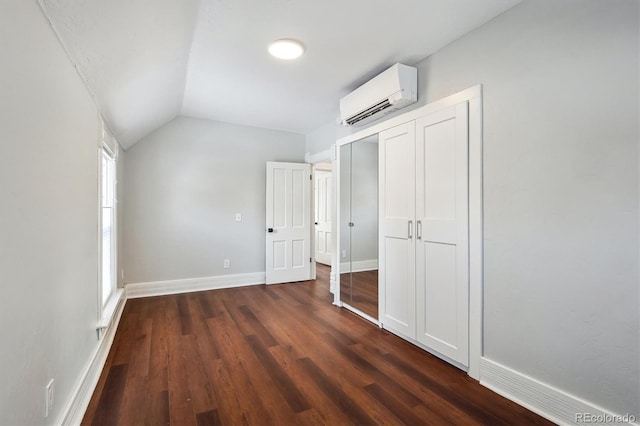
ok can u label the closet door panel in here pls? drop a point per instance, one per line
(438, 318)
(442, 282)
(398, 298)
(397, 229)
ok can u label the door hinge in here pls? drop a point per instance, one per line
(309, 260)
(310, 177)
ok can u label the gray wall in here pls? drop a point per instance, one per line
(560, 84)
(184, 184)
(321, 138)
(120, 214)
(364, 200)
(48, 219)
(344, 249)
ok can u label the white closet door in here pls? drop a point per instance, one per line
(442, 249)
(397, 229)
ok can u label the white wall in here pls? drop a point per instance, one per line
(184, 184)
(48, 219)
(560, 84)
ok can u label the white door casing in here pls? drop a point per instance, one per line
(397, 229)
(288, 227)
(323, 216)
(442, 239)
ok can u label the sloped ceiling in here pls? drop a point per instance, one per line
(148, 61)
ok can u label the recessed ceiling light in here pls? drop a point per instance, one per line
(286, 49)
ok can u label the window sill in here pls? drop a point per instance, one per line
(110, 309)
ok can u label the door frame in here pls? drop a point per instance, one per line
(291, 274)
(314, 206)
(472, 95)
(328, 155)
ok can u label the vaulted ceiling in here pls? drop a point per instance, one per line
(148, 61)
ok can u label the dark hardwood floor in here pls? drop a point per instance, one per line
(280, 355)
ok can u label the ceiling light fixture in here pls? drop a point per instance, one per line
(286, 48)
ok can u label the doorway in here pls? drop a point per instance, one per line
(323, 212)
(323, 203)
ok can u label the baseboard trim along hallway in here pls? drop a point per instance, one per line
(554, 404)
(83, 390)
(162, 288)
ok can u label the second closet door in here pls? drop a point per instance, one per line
(442, 247)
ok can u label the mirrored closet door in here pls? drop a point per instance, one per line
(359, 225)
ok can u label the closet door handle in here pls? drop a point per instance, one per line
(419, 230)
(410, 229)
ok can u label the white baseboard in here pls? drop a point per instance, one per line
(360, 266)
(549, 402)
(160, 288)
(74, 410)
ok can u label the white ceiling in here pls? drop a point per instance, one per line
(148, 61)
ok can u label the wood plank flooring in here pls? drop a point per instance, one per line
(278, 355)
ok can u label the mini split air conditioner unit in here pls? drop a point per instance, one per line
(389, 91)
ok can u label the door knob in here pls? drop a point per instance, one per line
(270, 230)
(316, 223)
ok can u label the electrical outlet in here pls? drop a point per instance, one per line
(227, 264)
(48, 398)
(238, 217)
(344, 253)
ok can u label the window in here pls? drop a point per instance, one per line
(108, 228)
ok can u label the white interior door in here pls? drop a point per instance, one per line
(397, 229)
(442, 249)
(323, 216)
(288, 214)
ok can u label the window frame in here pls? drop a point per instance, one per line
(108, 150)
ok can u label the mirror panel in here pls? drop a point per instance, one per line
(364, 233)
(359, 225)
(345, 217)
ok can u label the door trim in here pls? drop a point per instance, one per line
(289, 236)
(313, 159)
(315, 171)
(473, 95)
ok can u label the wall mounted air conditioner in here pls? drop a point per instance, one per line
(389, 91)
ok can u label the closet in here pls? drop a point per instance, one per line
(424, 231)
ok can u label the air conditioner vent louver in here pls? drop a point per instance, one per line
(396, 87)
(369, 112)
